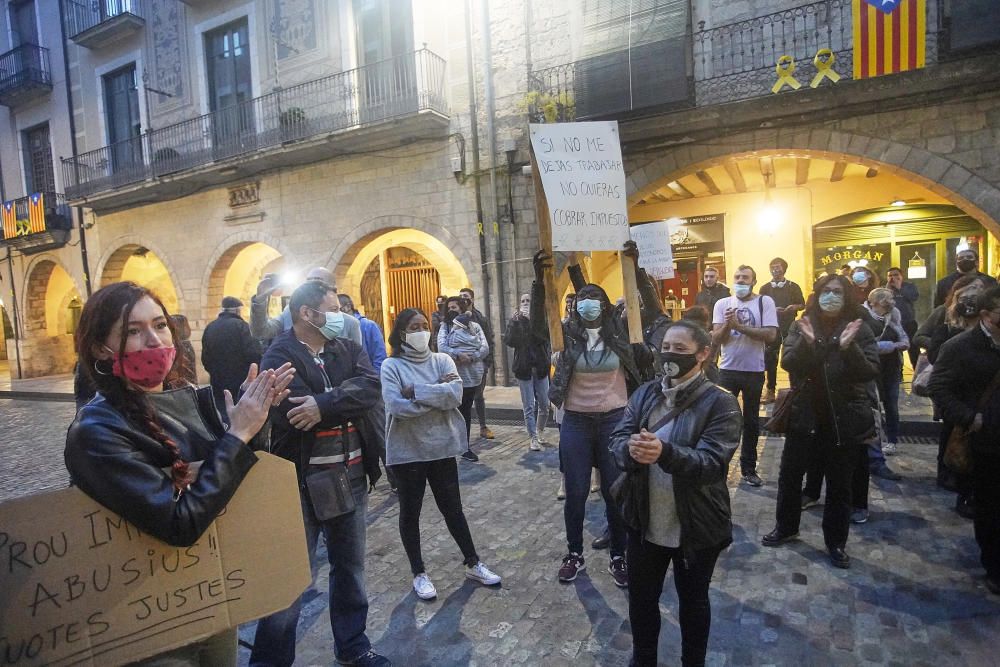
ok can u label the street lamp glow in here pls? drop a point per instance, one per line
(769, 218)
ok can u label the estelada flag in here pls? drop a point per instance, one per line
(9, 220)
(890, 36)
(36, 213)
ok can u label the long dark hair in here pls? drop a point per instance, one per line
(103, 309)
(852, 306)
(399, 328)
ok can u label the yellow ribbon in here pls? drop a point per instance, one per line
(23, 228)
(479, 226)
(824, 61)
(785, 69)
(496, 228)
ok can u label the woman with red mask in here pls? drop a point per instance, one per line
(163, 460)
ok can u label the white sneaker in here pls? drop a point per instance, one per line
(889, 448)
(482, 574)
(423, 587)
(535, 446)
(541, 438)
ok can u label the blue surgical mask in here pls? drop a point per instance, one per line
(859, 277)
(334, 325)
(830, 302)
(589, 309)
(742, 291)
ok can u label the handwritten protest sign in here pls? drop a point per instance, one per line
(79, 585)
(580, 165)
(655, 253)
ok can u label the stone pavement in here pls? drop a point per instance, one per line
(914, 594)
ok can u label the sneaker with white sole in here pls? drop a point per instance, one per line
(572, 565)
(541, 439)
(423, 587)
(535, 446)
(889, 448)
(482, 574)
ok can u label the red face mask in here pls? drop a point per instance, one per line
(147, 367)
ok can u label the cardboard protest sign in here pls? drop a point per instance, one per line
(655, 253)
(79, 585)
(580, 166)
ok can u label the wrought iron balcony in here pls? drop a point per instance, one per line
(25, 75)
(325, 116)
(97, 23)
(38, 222)
(738, 61)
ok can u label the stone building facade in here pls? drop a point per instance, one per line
(275, 135)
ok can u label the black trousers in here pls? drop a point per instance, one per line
(647, 568)
(442, 476)
(913, 352)
(468, 396)
(749, 384)
(771, 354)
(837, 463)
(986, 486)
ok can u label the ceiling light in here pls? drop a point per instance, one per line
(899, 202)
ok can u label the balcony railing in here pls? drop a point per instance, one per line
(355, 98)
(94, 23)
(727, 63)
(738, 61)
(24, 74)
(36, 222)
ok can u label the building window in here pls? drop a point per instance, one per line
(385, 29)
(227, 55)
(23, 28)
(39, 175)
(121, 117)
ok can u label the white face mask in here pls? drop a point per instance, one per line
(418, 340)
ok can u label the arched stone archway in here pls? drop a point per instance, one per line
(237, 271)
(223, 257)
(946, 178)
(436, 240)
(132, 258)
(392, 268)
(47, 348)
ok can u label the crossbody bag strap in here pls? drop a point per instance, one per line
(670, 416)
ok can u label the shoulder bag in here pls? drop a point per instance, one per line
(782, 412)
(922, 376)
(958, 451)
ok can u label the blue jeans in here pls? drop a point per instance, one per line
(274, 643)
(583, 442)
(888, 389)
(535, 403)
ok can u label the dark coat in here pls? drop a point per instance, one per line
(709, 296)
(227, 350)
(356, 397)
(944, 285)
(121, 467)
(823, 371)
(965, 367)
(704, 438)
(529, 338)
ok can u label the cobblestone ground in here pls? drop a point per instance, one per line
(914, 594)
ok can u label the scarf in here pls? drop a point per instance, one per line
(408, 353)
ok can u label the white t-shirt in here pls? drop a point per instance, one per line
(740, 352)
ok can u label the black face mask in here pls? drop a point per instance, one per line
(677, 365)
(450, 316)
(966, 265)
(966, 307)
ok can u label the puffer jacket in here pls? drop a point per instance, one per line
(842, 375)
(704, 438)
(121, 467)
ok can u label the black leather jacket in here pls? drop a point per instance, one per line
(704, 438)
(840, 378)
(121, 467)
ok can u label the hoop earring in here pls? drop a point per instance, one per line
(97, 369)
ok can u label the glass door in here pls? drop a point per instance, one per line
(388, 74)
(38, 173)
(121, 117)
(918, 262)
(230, 89)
